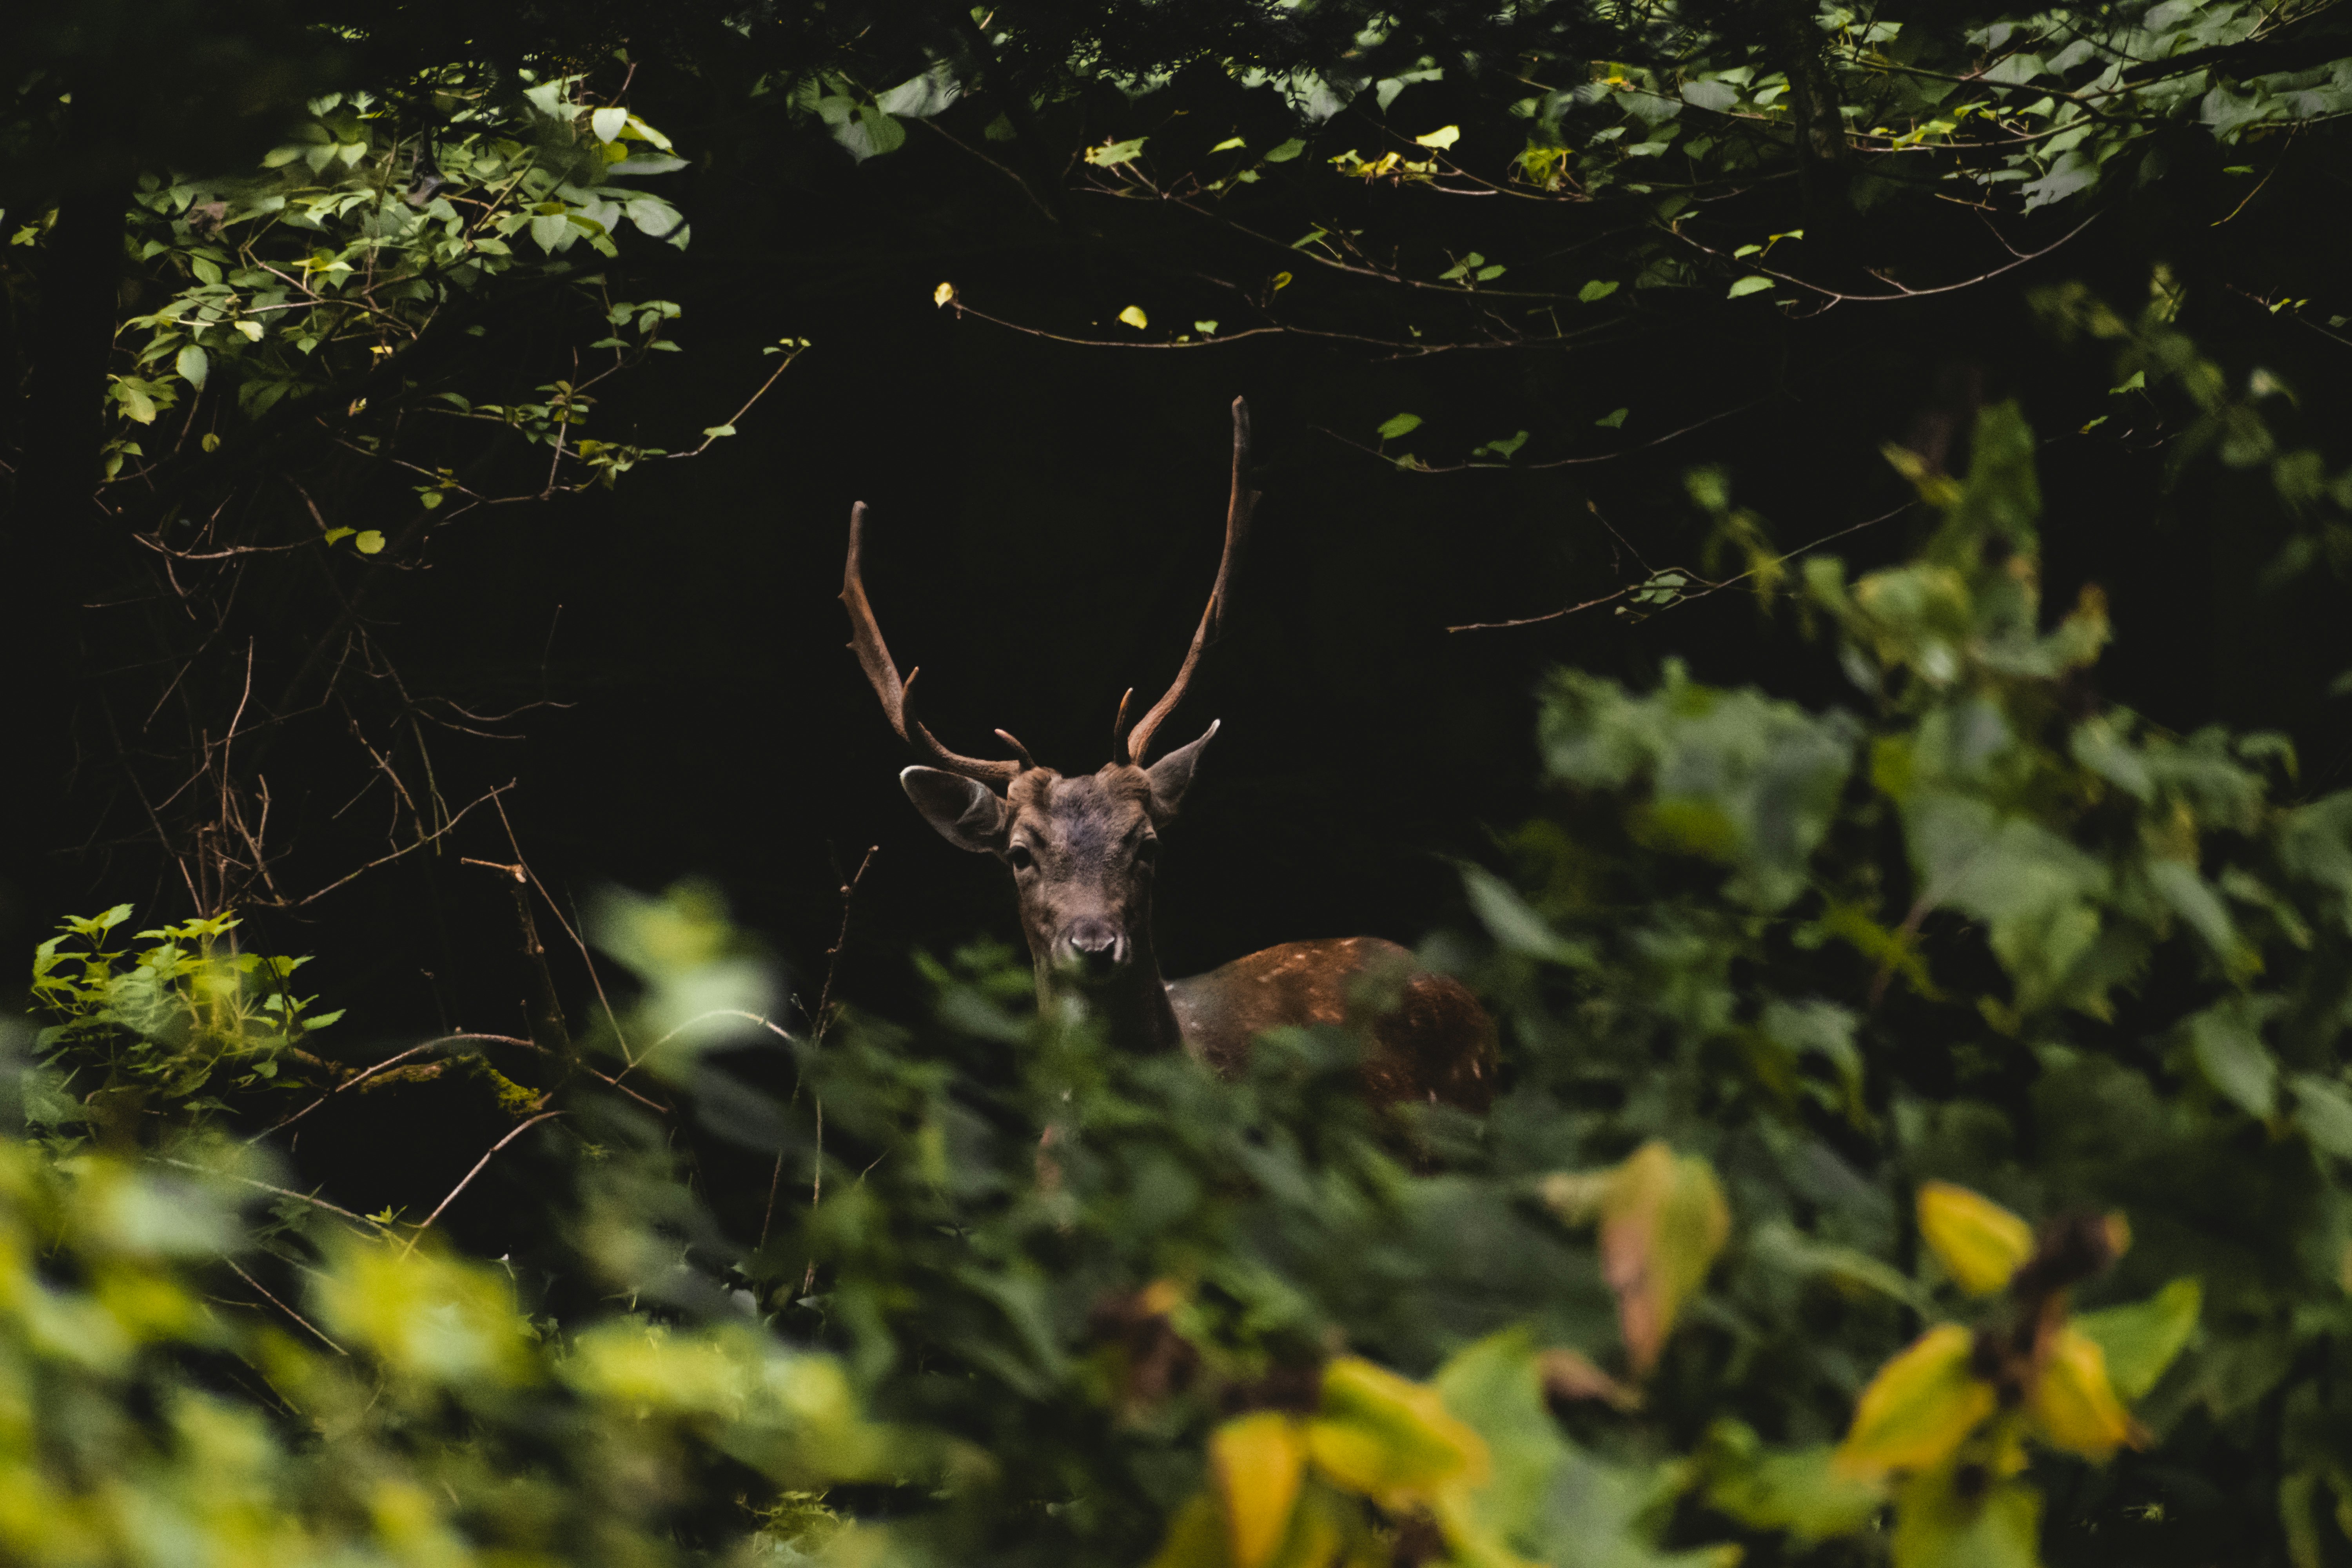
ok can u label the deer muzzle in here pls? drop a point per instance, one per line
(1092, 949)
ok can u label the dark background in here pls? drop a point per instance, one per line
(1046, 524)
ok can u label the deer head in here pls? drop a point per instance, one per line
(1081, 848)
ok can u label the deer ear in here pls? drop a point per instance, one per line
(968, 814)
(1171, 775)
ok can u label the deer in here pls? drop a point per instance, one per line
(1083, 851)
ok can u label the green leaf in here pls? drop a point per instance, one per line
(1402, 424)
(2142, 1338)
(136, 405)
(368, 542)
(1513, 923)
(1112, 154)
(607, 123)
(1599, 289)
(868, 132)
(1229, 144)
(193, 365)
(2323, 1112)
(1444, 136)
(921, 97)
(2233, 1060)
(1612, 420)
(1939, 1523)
(654, 216)
(1285, 152)
(1390, 1439)
(1754, 283)
(1796, 1489)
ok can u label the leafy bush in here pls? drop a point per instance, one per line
(1923, 1139)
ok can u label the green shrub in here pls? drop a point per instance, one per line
(1924, 1138)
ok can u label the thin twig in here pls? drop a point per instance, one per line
(1421, 467)
(265, 1186)
(816, 1041)
(430, 838)
(1685, 598)
(479, 1165)
(285, 1308)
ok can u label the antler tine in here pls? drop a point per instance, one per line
(1136, 747)
(873, 656)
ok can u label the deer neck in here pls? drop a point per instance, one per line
(1132, 1009)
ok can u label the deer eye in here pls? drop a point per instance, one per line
(1020, 858)
(1147, 852)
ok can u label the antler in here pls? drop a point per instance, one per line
(1135, 747)
(865, 640)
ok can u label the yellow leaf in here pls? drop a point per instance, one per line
(1391, 1439)
(1980, 1243)
(1258, 1461)
(943, 293)
(370, 542)
(2075, 1405)
(1281, 280)
(1919, 1408)
(1444, 136)
(1663, 1221)
(1134, 317)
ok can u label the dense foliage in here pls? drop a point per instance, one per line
(1926, 1117)
(1760, 1137)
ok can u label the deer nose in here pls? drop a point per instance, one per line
(1093, 946)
